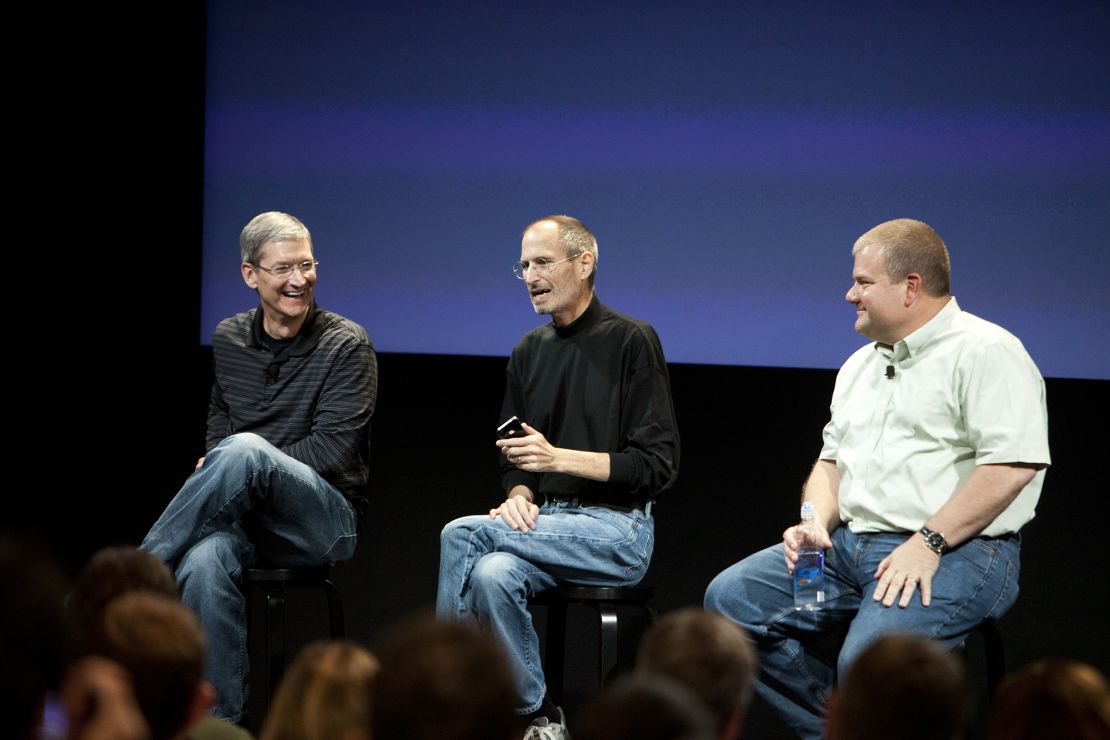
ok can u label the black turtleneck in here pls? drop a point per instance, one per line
(599, 384)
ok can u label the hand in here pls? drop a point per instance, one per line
(791, 542)
(532, 452)
(517, 511)
(910, 566)
(200, 461)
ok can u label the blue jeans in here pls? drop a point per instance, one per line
(798, 649)
(487, 572)
(295, 519)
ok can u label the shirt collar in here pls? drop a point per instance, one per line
(589, 317)
(307, 338)
(924, 335)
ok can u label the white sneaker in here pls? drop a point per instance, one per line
(543, 728)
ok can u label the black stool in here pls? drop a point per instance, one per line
(273, 582)
(605, 602)
(994, 655)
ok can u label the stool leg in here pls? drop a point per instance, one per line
(275, 639)
(996, 658)
(608, 641)
(556, 645)
(335, 610)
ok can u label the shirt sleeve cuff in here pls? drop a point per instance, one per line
(514, 478)
(622, 469)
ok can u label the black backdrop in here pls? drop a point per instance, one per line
(107, 413)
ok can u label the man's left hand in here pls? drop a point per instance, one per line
(911, 566)
(532, 453)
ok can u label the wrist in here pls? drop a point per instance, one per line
(522, 491)
(559, 462)
(933, 540)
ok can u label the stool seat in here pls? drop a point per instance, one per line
(604, 600)
(631, 596)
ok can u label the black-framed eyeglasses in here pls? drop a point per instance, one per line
(284, 271)
(541, 265)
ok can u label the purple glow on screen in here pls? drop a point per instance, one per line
(725, 206)
(256, 141)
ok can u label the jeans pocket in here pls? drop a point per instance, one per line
(342, 549)
(987, 572)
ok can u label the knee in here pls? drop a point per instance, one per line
(715, 593)
(729, 594)
(494, 574)
(462, 532)
(244, 452)
(451, 532)
(244, 444)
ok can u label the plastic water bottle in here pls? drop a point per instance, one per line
(809, 571)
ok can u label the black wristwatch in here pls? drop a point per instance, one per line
(934, 540)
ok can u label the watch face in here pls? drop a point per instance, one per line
(935, 541)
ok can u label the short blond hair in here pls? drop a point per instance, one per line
(325, 693)
(906, 246)
(706, 653)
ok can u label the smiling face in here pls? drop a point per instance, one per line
(285, 301)
(881, 303)
(562, 290)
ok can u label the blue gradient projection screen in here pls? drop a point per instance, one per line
(726, 155)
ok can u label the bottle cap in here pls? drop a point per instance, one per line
(808, 512)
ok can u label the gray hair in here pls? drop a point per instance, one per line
(574, 237)
(272, 226)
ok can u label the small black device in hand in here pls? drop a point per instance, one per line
(511, 428)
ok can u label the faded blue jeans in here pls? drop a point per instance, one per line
(295, 519)
(487, 572)
(798, 661)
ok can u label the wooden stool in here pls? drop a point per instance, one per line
(605, 602)
(273, 582)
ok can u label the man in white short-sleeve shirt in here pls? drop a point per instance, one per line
(932, 461)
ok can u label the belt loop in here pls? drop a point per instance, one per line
(647, 509)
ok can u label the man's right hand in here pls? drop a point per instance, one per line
(518, 511)
(791, 542)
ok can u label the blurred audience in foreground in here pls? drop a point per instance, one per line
(902, 687)
(709, 655)
(645, 706)
(324, 695)
(443, 681)
(1052, 699)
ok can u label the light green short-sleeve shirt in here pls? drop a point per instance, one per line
(964, 392)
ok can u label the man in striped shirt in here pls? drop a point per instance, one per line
(287, 448)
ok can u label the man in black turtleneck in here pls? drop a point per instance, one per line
(599, 445)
